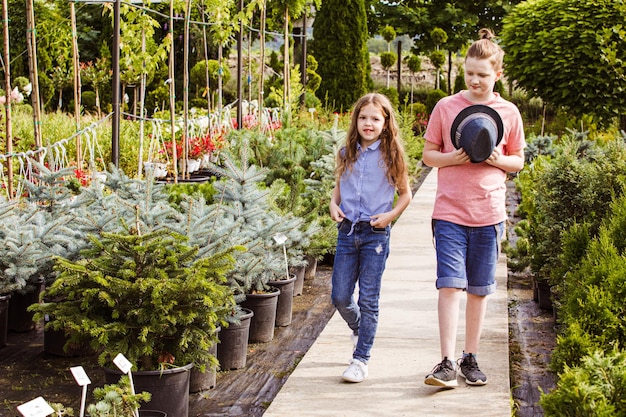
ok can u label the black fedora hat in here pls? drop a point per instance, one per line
(478, 129)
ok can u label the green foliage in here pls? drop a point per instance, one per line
(245, 208)
(88, 100)
(576, 186)
(459, 80)
(392, 95)
(198, 73)
(579, 47)
(596, 388)
(388, 59)
(344, 21)
(414, 62)
(313, 79)
(439, 36)
(147, 296)
(437, 58)
(388, 33)
(117, 400)
(433, 97)
(592, 298)
(177, 191)
(539, 145)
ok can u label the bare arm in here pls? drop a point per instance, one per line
(335, 199)
(433, 157)
(512, 162)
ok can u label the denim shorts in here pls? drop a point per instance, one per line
(467, 256)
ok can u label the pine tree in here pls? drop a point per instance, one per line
(251, 222)
(340, 31)
(146, 295)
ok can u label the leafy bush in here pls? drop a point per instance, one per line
(433, 97)
(596, 388)
(593, 311)
(576, 186)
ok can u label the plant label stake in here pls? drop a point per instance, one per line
(35, 408)
(82, 380)
(125, 366)
(280, 239)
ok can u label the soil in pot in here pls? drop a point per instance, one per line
(264, 306)
(233, 348)
(285, 300)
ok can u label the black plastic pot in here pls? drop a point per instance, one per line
(298, 285)
(4, 318)
(284, 305)
(233, 348)
(152, 413)
(203, 381)
(20, 319)
(264, 307)
(169, 388)
(311, 268)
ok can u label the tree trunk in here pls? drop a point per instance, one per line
(31, 43)
(7, 89)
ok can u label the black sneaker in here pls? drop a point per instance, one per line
(470, 371)
(443, 375)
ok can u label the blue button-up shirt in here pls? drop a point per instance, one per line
(365, 190)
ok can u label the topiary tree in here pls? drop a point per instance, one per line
(387, 60)
(340, 31)
(437, 57)
(571, 53)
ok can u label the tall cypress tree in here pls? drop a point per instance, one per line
(340, 47)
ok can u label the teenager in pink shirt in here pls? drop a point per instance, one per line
(474, 138)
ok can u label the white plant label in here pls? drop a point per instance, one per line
(35, 408)
(80, 376)
(122, 363)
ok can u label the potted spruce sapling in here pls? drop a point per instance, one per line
(253, 224)
(149, 297)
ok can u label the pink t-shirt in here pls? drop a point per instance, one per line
(472, 194)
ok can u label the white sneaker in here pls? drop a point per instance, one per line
(356, 372)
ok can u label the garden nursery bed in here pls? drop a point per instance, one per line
(27, 372)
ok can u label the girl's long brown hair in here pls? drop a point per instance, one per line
(390, 143)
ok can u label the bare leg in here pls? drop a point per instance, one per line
(475, 310)
(448, 310)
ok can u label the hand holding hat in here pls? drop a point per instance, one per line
(478, 129)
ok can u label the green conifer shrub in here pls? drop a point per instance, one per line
(340, 48)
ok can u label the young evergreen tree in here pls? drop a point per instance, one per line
(340, 31)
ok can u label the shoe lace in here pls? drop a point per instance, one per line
(444, 364)
(468, 363)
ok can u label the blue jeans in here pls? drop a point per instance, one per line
(360, 257)
(467, 256)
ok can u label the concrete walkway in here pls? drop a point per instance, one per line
(407, 343)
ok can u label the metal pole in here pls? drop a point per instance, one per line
(115, 128)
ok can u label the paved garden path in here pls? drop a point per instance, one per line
(407, 343)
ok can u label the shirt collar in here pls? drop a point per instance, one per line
(373, 146)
